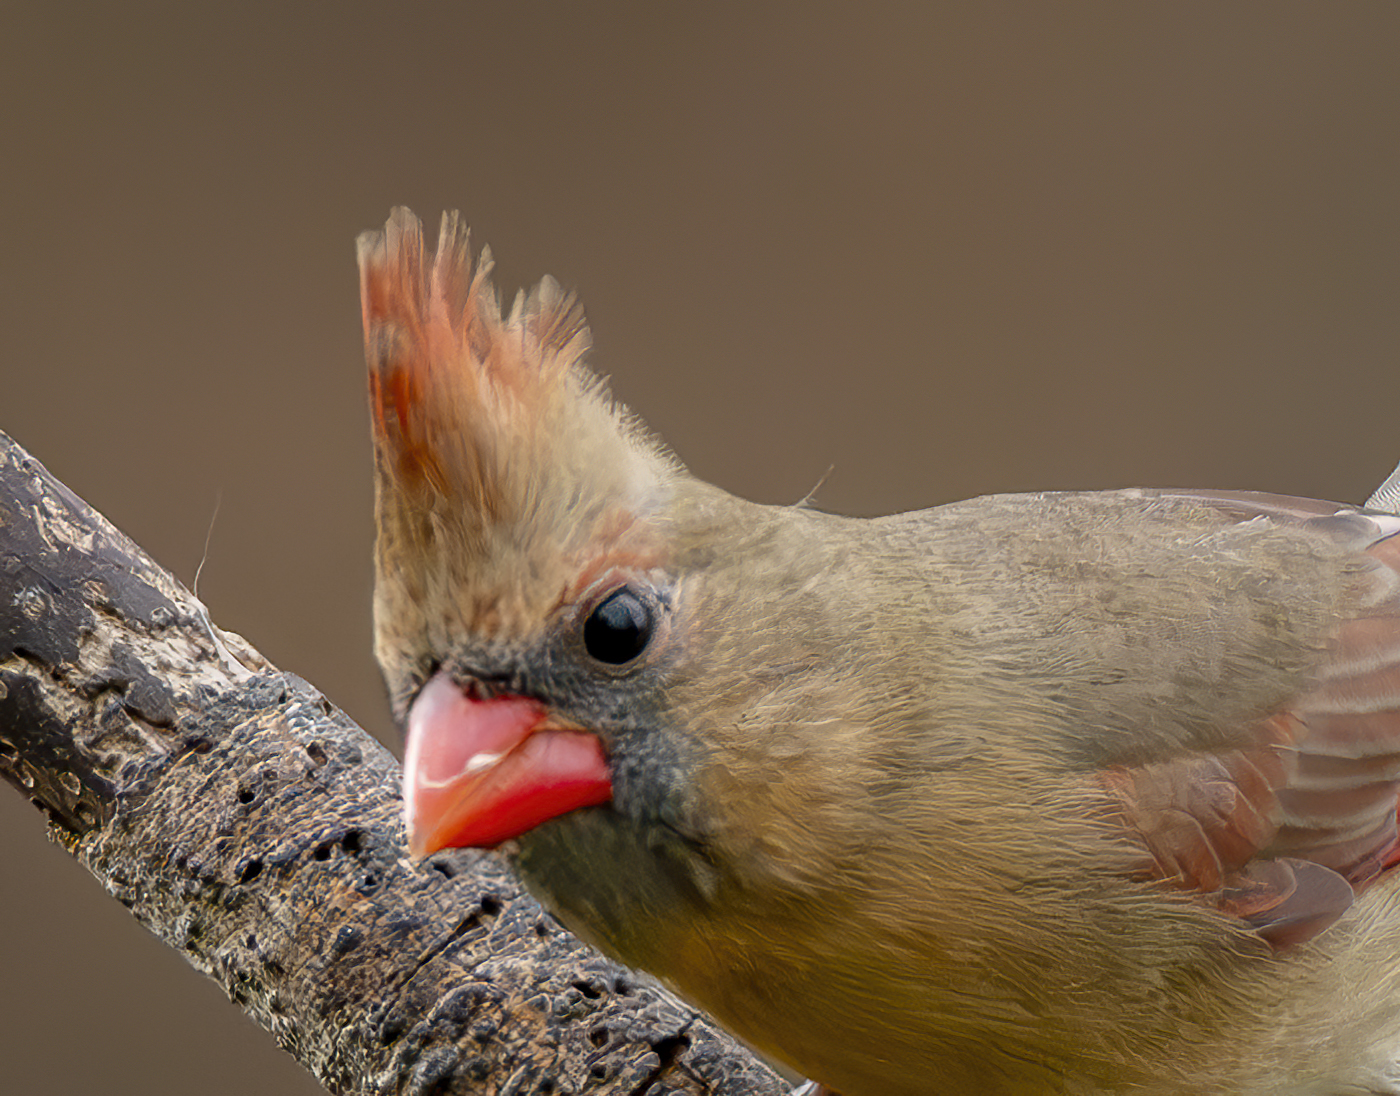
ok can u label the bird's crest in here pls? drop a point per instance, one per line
(506, 473)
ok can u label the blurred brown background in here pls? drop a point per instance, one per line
(942, 249)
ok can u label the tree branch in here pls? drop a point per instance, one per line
(250, 824)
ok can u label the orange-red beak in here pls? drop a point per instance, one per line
(479, 772)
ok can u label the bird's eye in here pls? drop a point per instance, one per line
(619, 629)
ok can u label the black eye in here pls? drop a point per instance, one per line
(619, 629)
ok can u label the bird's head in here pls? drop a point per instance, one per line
(563, 644)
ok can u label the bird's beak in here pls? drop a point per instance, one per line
(479, 772)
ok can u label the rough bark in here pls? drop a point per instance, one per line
(250, 824)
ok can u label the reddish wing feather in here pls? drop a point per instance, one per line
(1338, 810)
(1284, 834)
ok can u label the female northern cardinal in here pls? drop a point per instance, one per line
(1071, 793)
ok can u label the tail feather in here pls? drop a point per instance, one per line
(1387, 496)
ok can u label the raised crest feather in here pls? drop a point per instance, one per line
(503, 465)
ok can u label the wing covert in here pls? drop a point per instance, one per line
(1284, 832)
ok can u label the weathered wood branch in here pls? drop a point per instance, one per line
(250, 824)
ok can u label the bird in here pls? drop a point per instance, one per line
(1058, 792)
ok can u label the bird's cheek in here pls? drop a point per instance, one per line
(479, 772)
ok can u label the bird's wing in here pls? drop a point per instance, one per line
(1284, 832)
